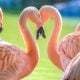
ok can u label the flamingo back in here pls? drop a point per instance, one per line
(70, 45)
(69, 48)
(11, 62)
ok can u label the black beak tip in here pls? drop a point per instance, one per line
(1, 29)
(40, 32)
(37, 37)
(44, 36)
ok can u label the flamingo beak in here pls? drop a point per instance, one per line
(1, 28)
(40, 32)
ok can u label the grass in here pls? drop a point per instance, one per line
(45, 70)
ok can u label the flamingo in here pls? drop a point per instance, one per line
(72, 71)
(60, 54)
(14, 62)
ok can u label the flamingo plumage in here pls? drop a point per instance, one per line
(72, 71)
(14, 62)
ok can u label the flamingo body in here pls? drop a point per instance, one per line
(12, 61)
(69, 48)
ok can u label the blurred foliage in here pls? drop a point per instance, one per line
(39, 3)
(16, 6)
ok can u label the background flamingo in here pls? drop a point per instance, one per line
(61, 54)
(72, 71)
(14, 62)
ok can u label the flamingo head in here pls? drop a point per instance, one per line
(1, 18)
(46, 13)
(35, 17)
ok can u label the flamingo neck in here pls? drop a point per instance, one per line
(56, 28)
(26, 34)
(30, 59)
(53, 51)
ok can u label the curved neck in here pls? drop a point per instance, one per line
(27, 36)
(56, 28)
(30, 59)
(53, 42)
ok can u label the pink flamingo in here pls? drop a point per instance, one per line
(14, 62)
(61, 54)
(72, 71)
